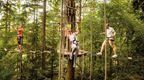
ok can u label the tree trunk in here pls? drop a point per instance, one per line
(43, 34)
(71, 70)
(6, 24)
(71, 17)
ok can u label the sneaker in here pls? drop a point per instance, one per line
(99, 53)
(114, 56)
(130, 58)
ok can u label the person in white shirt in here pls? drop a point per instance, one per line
(73, 43)
(110, 33)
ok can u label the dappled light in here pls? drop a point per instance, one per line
(71, 40)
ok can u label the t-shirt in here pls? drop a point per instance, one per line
(20, 31)
(110, 32)
(73, 40)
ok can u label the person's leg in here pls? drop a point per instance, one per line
(21, 39)
(75, 56)
(112, 44)
(72, 53)
(103, 45)
(65, 42)
(18, 39)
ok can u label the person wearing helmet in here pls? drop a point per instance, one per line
(73, 42)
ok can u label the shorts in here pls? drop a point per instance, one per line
(19, 38)
(111, 38)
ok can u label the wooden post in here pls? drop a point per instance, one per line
(71, 17)
(71, 70)
(20, 65)
(91, 45)
(105, 77)
(43, 34)
(110, 63)
(61, 43)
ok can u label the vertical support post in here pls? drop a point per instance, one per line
(79, 26)
(21, 72)
(91, 57)
(71, 15)
(105, 77)
(6, 23)
(61, 55)
(111, 65)
(43, 34)
(71, 70)
(80, 10)
(52, 56)
(83, 57)
(83, 65)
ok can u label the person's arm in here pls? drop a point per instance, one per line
(114, 32)
(70, 38)
(77, 32)
(102, 33)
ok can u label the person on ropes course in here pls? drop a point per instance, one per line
(110, 34)
(73, 43)
(20, 31)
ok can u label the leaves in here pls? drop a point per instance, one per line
(129, 38)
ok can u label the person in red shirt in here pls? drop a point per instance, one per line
(20, 31)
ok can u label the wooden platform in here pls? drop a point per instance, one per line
(81, 52)
(40, 51)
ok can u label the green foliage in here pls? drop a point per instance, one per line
(129, 39)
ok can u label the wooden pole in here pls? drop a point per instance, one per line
(61, 43)
(91, 65)
(71, 69)
(105, 77)
(21, 72)
(79, 26)
(6, 23)
(43, 34)
(110, 63)
(83, 65)
(80, 10)
(83, 59)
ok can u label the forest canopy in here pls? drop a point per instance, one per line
(39, 55)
